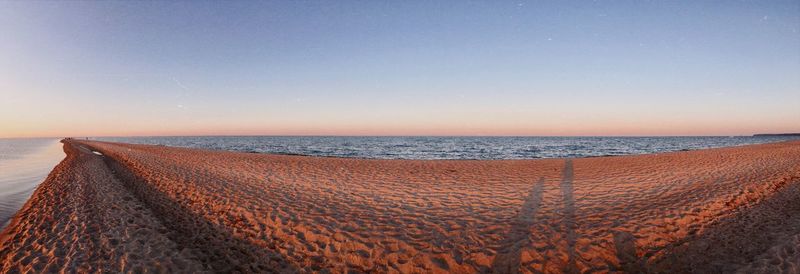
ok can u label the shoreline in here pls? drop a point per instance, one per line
(450, 159)
(23, 169)
(262, 212)
(385, 149)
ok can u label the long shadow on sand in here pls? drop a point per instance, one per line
(508, 259)
(567, 192)
(216, 247)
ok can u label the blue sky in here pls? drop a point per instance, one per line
(408, 68)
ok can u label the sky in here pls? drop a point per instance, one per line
(609, 68)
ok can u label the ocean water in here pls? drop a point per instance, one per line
(24, 163)
(429, 148)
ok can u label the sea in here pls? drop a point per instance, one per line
(24, 163)
(435, 148)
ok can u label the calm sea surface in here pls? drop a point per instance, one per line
(24, 163)
(451, 147)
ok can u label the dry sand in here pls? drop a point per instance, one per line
(186, 210)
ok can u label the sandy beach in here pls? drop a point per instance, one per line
(115, 207)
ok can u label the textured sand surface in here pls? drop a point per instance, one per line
(718, 210)
(81, 219)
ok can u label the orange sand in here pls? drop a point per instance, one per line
(187, 210)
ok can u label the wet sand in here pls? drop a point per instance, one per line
(138, 207)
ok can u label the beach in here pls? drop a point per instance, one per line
(117, 207)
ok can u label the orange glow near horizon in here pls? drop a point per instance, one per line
(392, 128)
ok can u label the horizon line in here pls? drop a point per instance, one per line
(399, 135)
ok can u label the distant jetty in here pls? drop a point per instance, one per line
(777, 134)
